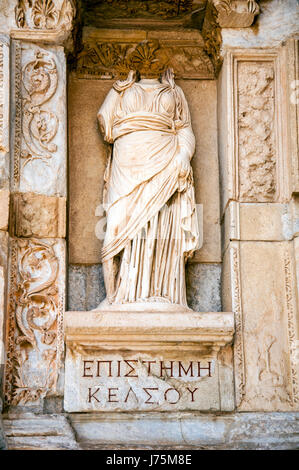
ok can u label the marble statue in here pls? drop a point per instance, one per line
(152, 226)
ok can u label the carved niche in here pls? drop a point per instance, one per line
(115, 59)
(45, 14)
(35, 320)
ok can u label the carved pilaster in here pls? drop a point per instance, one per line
(34, 320)
(40, 119)
(253, 159)
(34, 326)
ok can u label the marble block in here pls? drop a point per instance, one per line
(147, 361)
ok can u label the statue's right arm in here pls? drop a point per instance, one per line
(106, 114)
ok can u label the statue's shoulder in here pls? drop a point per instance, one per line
(122, 85)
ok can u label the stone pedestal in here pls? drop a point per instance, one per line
(147, 361)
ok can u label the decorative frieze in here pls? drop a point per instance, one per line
(40, 115)
(34, 319)
(106, 60)
(37, 216)
(4, 209)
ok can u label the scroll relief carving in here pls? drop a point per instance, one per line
(35, 335)
(256, 131)
(36, 124)
(45, 14)
(39, 126)
(115, 60)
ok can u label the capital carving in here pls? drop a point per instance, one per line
(45, 14)
(116, 59)
(236, 13)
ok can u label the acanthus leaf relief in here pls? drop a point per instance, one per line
(115, 60)
(256, 132)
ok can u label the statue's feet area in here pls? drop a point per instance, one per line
(150, 305)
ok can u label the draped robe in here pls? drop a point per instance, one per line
(152, 223)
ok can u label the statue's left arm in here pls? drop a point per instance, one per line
(186, 138)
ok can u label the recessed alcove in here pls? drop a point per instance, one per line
(101, 61)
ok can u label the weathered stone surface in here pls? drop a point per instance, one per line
(4, 209)
(85, 97)
(277, 21)
(268, 431)
(36, 215)
(86, 288)
(236, 14)
(204, 287)
(44, 432)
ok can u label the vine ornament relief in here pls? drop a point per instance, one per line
(35, 341)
